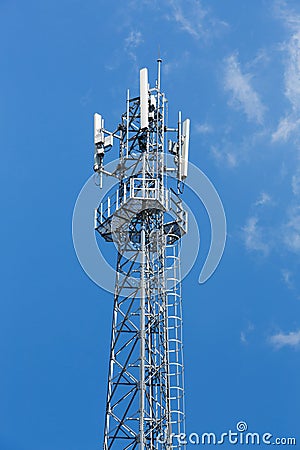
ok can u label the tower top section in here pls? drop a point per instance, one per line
(148, 180)
(144, 130)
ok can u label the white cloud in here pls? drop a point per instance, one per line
(292, 72)
(231, 159)
(291, 231)
(243, 337)
(243, 95)
(286, 127)
(263, 199)
(290, 18)
(262, 238)
(291, 339)
(287, 278)
(254, 236)
(245, 333)
(290, 123)
(296, 183)
(182, 59)
(224, 157)
(261, 59)
(86, 98)
(189, 24)
(194, 19)
(131, 42)
(204, 128)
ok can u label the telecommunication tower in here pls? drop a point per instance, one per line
(145, 219)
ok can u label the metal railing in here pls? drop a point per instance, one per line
(134, 188)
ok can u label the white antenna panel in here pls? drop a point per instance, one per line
(185, 148)
(144, 108)
(153, 101)
(98, 129)
(108, 141)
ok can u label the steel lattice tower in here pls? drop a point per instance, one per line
(145, 219)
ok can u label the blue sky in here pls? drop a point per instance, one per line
(234, 69)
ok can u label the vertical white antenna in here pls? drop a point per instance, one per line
(98, 129)
(179, 145)
(99, 147)
(144, 108)
(159, 61)
(185, 148)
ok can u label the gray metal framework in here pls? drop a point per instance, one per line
(145, 219)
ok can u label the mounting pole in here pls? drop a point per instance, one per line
(159, 62)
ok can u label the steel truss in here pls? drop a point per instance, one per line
(145, 220)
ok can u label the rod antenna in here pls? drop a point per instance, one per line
(159, 61)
